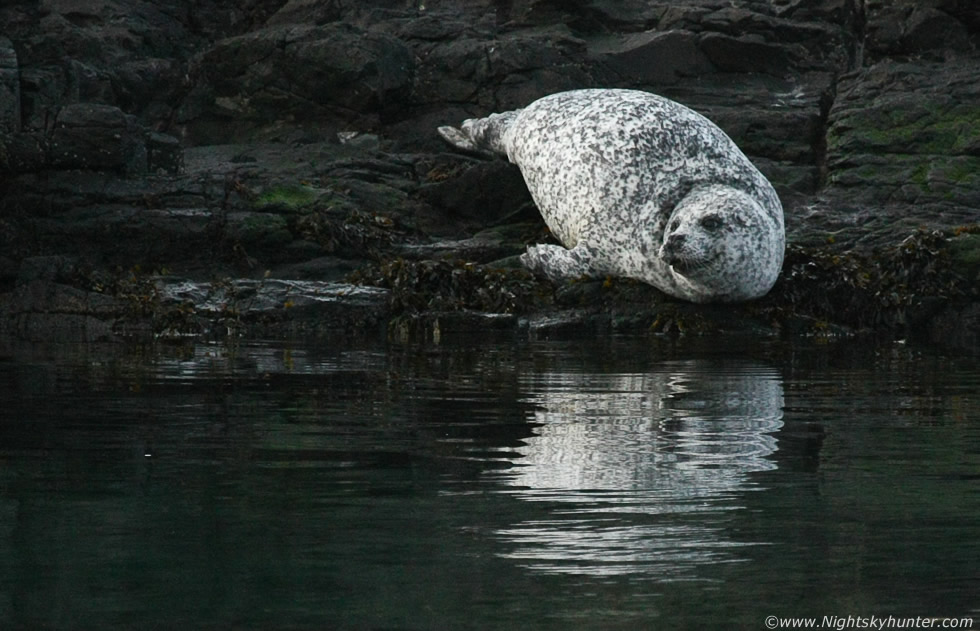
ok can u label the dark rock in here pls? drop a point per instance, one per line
(9, 88)
(163, 154)
(307, 12)
(861, 113)
(97, 137)
(654, 58)
(930, 29)
(933, 28)
(252, 231)
(23, 152)
(956, 328)
(266, 307)
(43, 310)
(47, 268)
(908, 133)
(296, 73)
(487, 192)
(745, 54)
(501, 72)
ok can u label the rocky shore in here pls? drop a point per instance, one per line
(270, 168)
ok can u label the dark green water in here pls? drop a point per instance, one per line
(614, 484)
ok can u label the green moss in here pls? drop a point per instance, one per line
(963, 170)
(292, 196)
(263, 229)
(962, 126)
(920, 176)
(926, 129)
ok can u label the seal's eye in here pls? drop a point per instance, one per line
(674, 225)
(711, 222)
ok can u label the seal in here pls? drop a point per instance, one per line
(638, 186)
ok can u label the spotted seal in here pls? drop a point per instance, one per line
(639, 186)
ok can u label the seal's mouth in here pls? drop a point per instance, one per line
(672, 260)
(681, 265)
(676, 260)
(685, 265)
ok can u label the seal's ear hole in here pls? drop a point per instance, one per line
(711, 222)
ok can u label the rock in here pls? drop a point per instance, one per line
(503, 72)
(267, 307)
(97, 137)
(745, 54)
(256, 231)
(908, 133)
(9, 88)
(653, 58)
(296, 73)
(163, 154)
(904, 27)
(487, 192)
(295, 138)
(47, 268)
(48, 311)
(23, 152)
(307, 12)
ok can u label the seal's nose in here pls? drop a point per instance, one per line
(672, 248)
(675, 241)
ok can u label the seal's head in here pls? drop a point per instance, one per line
(722, 246)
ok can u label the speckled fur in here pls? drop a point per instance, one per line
(636, 185)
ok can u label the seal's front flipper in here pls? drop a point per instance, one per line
(483, 136)
(558, 263)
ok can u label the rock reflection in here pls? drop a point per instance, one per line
(638, 470)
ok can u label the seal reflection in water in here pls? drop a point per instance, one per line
(641, 471)
(638, 186)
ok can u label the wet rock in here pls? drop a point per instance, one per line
(956, 328)
(266, 307)
(44, 310)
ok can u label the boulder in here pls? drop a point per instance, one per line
(9, 88)
(97, 137)
(654, 58)
(934, 28)
(907, 132)
(291, 74)
(745, 54)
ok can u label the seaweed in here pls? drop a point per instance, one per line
(890, 288)
(429, 285)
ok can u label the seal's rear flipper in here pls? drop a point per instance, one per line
(458, 139)
(483, 136)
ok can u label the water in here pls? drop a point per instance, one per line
(623, 483)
